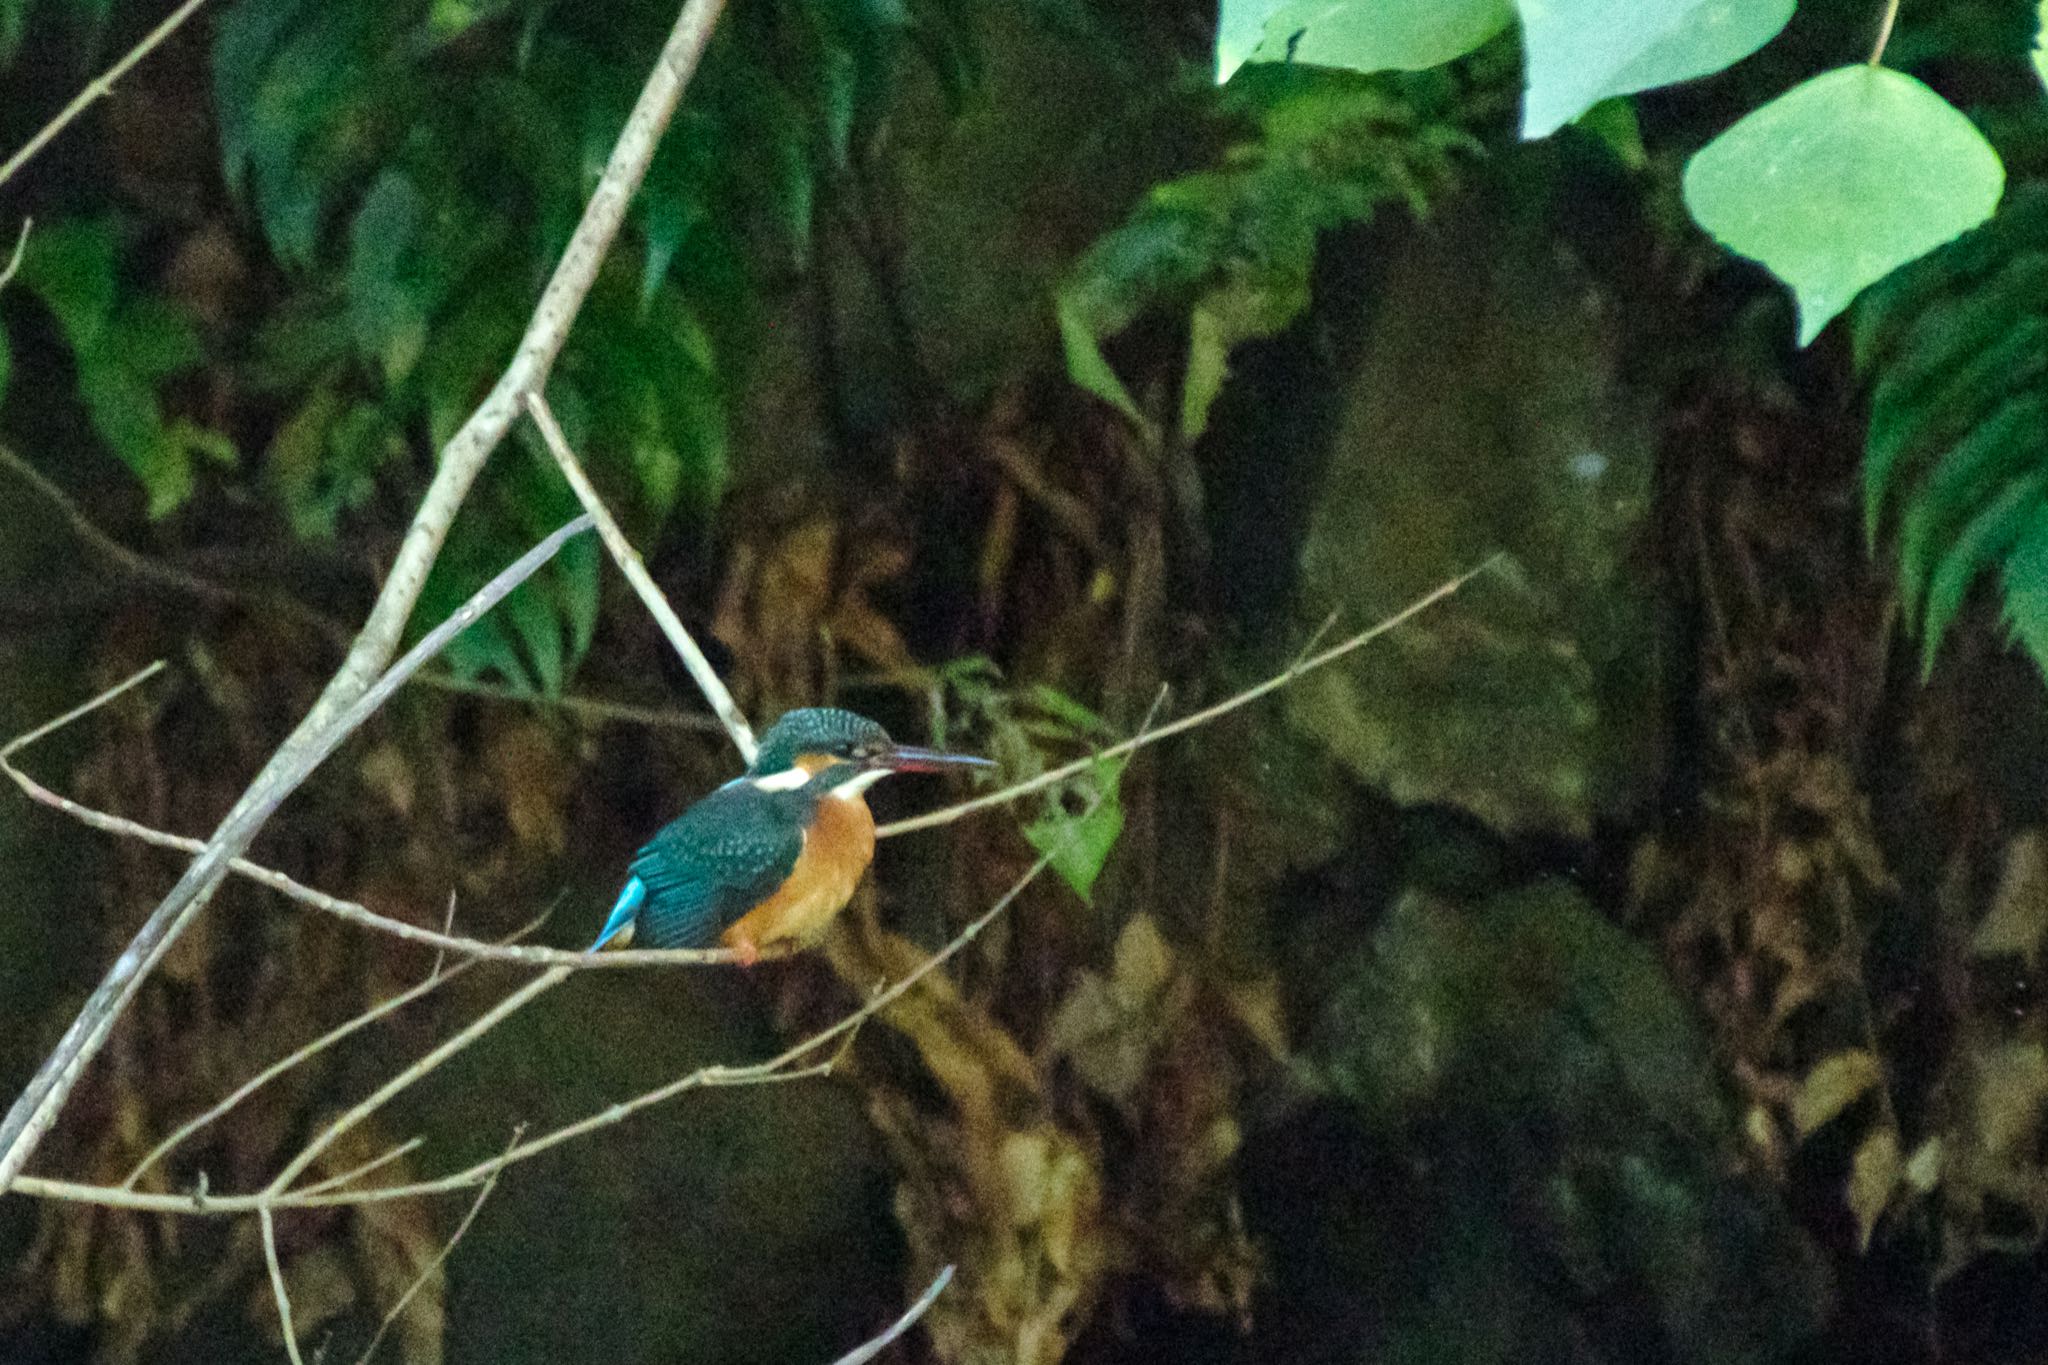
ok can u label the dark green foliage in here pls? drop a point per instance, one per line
(1956, 466)
(1233, 246)
(410, 230)
(124, 348)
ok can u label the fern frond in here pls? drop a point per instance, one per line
(1988, 538)
(1957, 449)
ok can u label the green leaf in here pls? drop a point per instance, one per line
(534, 621)
(1579, 52)
(1873, 1175)
(577, 569)
(1079, 722)
(1835, 1083)
(246, 39)
(388, 323)
(669, 209)
(1968, 354)
(1613, 123)
(1079, 845)
(1840, 181)
(153, 338)
(2040, 53)
(124, 411)
(13, 20)
(2010, 444)
(70, 267)
(1088, 367)
(486, 648)
(1380, 35)
(1238, 312)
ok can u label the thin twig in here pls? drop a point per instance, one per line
(355, 1173)
(1884, 31)
(774, 1069)
(84, 708)
(641, 957)
(461, 460)
(630, 564)
(61, 1070)
(575, 704)
(946, 815)
(352, 911)
(434, 981)
(284, 1300)
(376, 1099)
(99, 87)
(20, 249)
(860, 1355)
(149, 571)
(778, 1068)
(432, 1267)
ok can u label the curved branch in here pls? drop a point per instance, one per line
(461, 460)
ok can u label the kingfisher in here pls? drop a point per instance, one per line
(774, 854)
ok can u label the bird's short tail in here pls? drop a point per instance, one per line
(623, 913)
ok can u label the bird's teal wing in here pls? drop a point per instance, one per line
(705, 869)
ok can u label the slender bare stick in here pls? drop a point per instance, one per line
(284, 1300)
(357, 913)
(433, 982)
(369, 1105)
(99, 87)
(778, 1068)
(355, 1173)
(576, 704)
(948, 814)
(32, 1113)
(432, 1267)
(773, 1069)
(149, 571)
(861, 1355)
(1884, 31)
(20, 250)
(640, 957)
(629, 562)
(84, 708)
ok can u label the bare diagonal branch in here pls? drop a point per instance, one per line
(461, 460)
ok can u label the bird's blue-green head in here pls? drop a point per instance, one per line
(819, 737)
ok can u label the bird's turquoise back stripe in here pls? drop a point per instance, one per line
(630, 896)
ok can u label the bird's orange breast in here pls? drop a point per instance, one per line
(837, 850)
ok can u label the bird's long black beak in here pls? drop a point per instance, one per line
(908, 758)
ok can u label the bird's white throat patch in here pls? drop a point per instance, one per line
(788, 780)
(858, 783)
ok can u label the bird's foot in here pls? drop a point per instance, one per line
(746, 952)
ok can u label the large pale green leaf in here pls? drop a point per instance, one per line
(1840, 181)
(1380, 35)
(1239, 26)
(1579, 52)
